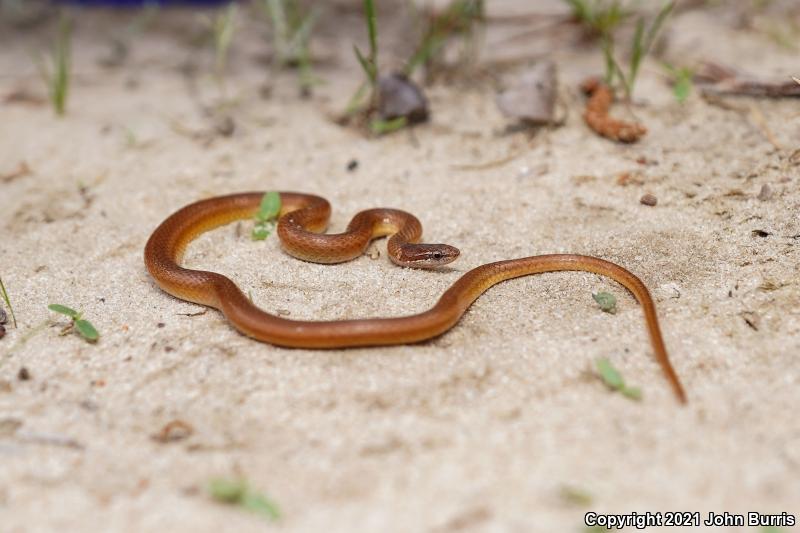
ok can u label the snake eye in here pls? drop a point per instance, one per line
(437, 255)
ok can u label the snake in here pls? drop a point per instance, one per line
(301, 226)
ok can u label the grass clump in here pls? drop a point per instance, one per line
(56, 68)
(238, 492)
(223, 29)
(292, 30)
(603, 18)
(369, 64)
(460, 17)
(84, 328)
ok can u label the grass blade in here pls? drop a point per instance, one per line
(369, 10)
(369, 68)
(380, 127)
(7, 300)
(59, 82)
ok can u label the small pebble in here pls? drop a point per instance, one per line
(352, 165)
(398, 96)
(765, 193)
(532, 97)
(3, 316)
(648, 199)
(24, 374)
(225, 126)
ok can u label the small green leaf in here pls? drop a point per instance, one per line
(270, 206)
(268, 211)
(609, 374)
(262, 230)
(237, 492)
(606, 301)
(681, 90)
(226, 490)
(64, 310)
(86, 329)
(683, 84)
(576, 496)
(634, 393)
(260, 504)
(379, 127)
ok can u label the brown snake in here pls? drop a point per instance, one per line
(303, 218)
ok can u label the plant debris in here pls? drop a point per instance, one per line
(21, 171)
(596, 114)
(532, 98)
(173, 431)
(752, 319)
(721, 80)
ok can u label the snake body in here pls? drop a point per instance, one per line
(303, 218)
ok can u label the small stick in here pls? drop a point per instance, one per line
(725, 81)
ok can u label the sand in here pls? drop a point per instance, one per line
(478, 430)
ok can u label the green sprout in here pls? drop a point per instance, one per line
(267, 215)
(292, 30)
(80, 324)
(682, 81)
(606, 301)
(56, 70)
(614, 380)
(223, 28)
(237, 492)
(7, 300)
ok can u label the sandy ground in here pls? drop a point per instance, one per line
(478, 430)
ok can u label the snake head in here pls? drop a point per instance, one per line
(427, 255)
